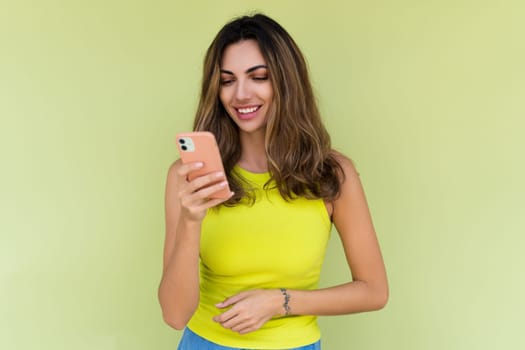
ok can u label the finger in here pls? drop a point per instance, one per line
(196, 203)
(200, 199)
(247, 330)
(236, 324)
(201, 188)
(185, 169)
(209, 191)
(205, 181)
(231, 300)
(225, 316)
(213, 202)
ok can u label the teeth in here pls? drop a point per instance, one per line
(247, 110)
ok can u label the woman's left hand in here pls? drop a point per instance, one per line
(250, 310)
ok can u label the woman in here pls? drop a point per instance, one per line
(242, 272)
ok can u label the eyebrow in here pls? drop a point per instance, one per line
(249, 70)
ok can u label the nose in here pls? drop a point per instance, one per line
(243, 91)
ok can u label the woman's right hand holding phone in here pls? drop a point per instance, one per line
(187, 202)
(194, 195)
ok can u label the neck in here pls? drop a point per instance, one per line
(253, 155)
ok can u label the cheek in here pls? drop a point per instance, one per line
(223, 97)
(269, 93)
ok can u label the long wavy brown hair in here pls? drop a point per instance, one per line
(300, 158)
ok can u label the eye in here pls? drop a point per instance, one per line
(226, 82)
(260, 78)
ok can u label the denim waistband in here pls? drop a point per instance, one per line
(193, 341)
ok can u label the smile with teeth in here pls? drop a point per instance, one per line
(247, 110)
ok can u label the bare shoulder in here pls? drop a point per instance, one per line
(351, 213)
(347, 166)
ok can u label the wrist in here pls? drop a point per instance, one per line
(285, 302)
(188, 231)
(189, 224)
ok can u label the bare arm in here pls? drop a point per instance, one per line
(367, 291)
(186, 206)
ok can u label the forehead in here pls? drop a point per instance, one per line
(242, 55)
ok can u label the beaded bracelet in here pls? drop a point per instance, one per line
(286, 307)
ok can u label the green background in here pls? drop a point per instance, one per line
(427, 97)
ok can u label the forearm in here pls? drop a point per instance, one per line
(179, 287)
(247, 311)
(352, 297)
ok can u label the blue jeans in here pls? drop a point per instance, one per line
(192, 341)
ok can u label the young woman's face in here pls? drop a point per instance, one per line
(246, 91)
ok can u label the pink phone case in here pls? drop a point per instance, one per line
(200, 146)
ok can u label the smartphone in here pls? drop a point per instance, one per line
(201, 146)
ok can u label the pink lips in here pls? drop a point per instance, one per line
(247, 116)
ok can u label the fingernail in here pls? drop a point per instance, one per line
(199, 164)
(219, 174)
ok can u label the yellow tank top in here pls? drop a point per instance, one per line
(270, 244)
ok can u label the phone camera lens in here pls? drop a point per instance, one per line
(184, 148)
(182, 141)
